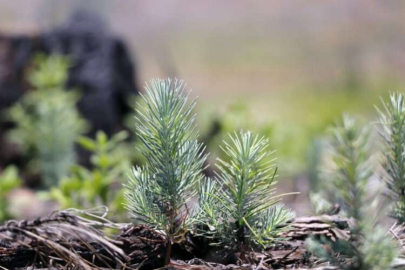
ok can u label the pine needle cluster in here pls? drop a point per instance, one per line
(240, 206)
(392, 132)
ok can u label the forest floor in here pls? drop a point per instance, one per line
(70, 241)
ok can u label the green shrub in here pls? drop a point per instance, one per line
(9, 180)
(90, 188)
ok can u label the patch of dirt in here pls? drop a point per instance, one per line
(144, 246)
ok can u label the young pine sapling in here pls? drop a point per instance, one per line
(239, 208)
(159, 191)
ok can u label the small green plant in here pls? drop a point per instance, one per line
(392, 121)
(159, 192)
(9, 180)
(88, 188)
(47, 121)
(368, 246)
(239, 208)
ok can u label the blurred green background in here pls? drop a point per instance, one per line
(286, 69)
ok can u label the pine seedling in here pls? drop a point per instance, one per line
(392, 132)
(239, 208)
(350, 152)
(159, 191)
(47, 121)
(350, 176)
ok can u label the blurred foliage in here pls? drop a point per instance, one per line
(347, 183)
(101, 185)
(236, 117)
(9, 180)
(130, 122)
(348, 169)
(49, 71)
(47, 121)
(293, 120)
(314, 159)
